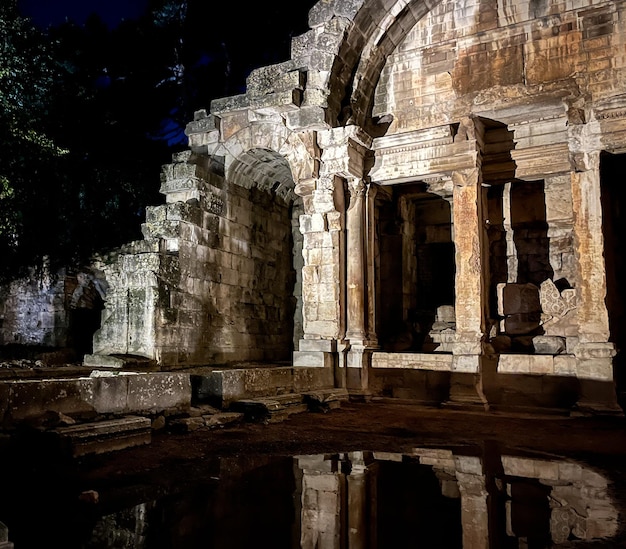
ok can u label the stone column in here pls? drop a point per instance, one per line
(594, 353)
(356, 295)
(370, 224)
(470, 287)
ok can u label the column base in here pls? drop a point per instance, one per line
(597, 398)
(466, 384)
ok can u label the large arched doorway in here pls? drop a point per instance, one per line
(267, 253)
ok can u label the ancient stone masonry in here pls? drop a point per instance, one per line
(416, 202)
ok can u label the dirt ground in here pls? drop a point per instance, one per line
(373, 426)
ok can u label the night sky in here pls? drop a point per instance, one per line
(55, 12)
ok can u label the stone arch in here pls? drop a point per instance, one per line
(376, 29)
(264, 169)
(275, 241)
(271, 149)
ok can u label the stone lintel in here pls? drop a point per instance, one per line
(536, 162)
(421, 161)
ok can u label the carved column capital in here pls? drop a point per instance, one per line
(356, 188)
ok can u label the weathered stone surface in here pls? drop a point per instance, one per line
(418, 177)
(549, 345)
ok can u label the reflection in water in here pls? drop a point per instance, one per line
(470, 498)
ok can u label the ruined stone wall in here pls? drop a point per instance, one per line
(32, 312)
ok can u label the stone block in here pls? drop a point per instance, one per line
(32, 398)
(518, 299)
(466, 363)
(595, 368)
(109, 394)
(310, 359)
(322, 482)
(159, 391)
(446, 313)
(565, 365)
(513, 364)
(549, 345)
(103, 361)
(318, 345)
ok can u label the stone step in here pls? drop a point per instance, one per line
(280, 407)
(271, 409)
(99, 437)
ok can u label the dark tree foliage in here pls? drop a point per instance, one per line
(90, 113)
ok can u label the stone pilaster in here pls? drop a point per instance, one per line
(593, 320)
(322, 226)
(470, 287)
(594, 353)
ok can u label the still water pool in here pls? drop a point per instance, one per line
(463, 497)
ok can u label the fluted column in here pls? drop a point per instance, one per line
(356, 277)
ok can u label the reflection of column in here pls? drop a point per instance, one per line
(323, 488)
(360, 502)
(474, 509)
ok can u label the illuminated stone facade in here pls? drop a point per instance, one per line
(421, 203)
